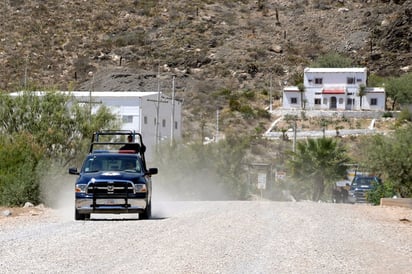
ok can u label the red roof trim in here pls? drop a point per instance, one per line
(333, 91)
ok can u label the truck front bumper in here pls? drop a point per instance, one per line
(87, 205)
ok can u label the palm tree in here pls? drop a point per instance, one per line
(316, 162)
(301, 88)
(361, 93)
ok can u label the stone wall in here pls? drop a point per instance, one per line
(366, 114)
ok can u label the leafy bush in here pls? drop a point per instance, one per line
(390, 156)
(247, 111)
(234, 104)
(384, 190)
(262, 113)
(36, 129)
(404, 116)
(249, 94)
(332, 60)
(19, 158)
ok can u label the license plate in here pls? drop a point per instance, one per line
(110, 201)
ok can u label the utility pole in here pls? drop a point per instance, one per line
(294, 136)
(172, 124)
(217, 125)
(90, 96)
(270, 94)
(157, 108)
(157, 104)
(25, 73)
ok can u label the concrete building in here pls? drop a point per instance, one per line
(334, 89)
(153, 115)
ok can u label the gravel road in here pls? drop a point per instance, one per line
(213, 237)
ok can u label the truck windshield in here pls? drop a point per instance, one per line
(367, 181)
(110, 163)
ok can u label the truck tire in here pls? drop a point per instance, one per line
(80, 217)
(147, 214)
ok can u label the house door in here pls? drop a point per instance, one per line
(333, 103)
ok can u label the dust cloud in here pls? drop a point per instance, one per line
(168, 188)
(57, 192)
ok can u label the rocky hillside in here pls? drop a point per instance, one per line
(214, 48)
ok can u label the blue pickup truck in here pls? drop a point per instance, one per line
(361, 186)
(114, 177)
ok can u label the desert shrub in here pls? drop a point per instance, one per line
(404, 116)
(384, 190)
(278, 70)
(234, 104)
(247, 111)
(19, 179)
(249, 94)
(130, 38)
(262, 113)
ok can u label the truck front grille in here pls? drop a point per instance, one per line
(110, 188)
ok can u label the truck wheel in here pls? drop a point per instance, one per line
(78, 216)
(147, 214)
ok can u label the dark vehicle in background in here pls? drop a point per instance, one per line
(114, 179)
(360, 186)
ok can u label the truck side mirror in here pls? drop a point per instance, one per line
(73, 170)
(152, 171)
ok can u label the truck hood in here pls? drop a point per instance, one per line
(112, 175)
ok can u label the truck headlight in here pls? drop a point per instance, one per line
(81, 188)
(138, 188)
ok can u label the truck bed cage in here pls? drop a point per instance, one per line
(137, 139)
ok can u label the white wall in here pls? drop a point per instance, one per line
(334, 76)
(142, 107)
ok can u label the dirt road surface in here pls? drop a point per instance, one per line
(212, 237)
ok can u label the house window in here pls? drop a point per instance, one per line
(127, 118)
(349, 101)
(350, 80)
(163, 123)
(318, 81)
(340, 101)
(318, 93)
(145, 120)
(293, 100)
(350, 93)
(358, 80)
(317, 101)
(374, 101)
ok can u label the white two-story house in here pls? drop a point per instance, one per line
(334, 89)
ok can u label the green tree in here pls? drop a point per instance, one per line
(376, 81)
(317, 162)
(55, 120)
(332, 60)
(39, 133)
(399, 90)
(301, 88)
(390, 157)
(361, 93)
